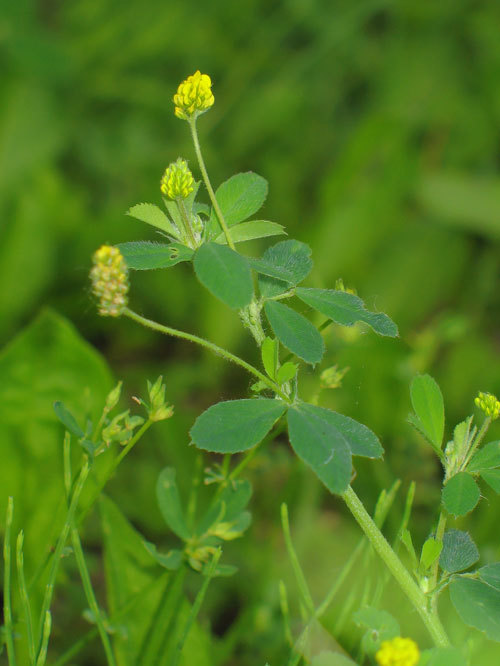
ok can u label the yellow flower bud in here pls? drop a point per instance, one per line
(109, 277)
(194, 96)
(398, 652)
(489, 404)
(177, 181)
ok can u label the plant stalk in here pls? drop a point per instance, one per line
(395, 566)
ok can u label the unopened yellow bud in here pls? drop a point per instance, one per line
(489, 404)
(398, 652)
(109, 277)
(177, 181)
(194, 96)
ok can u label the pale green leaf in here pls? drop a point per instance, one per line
(431, 550)
(246, 231)
(448, 656)
(236, 425)
(332, 659)
(491, 574)
(488, 457)
(492, 478)
(287, 372)
(238, 197)
(151, 214)
(269, 353)
(346, 309)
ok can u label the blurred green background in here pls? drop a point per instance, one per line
(376, 123)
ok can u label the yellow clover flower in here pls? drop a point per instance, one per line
(194, 96)
(177, 181)
(109, 277)
(489, 404)
(398, 652)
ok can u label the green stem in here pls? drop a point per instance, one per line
(215, 349)
(395, 566)
(435, 567)
(47, 624)
(7, 602)
(91, 599)
(23, 593)
(299, 574)
(126, 450)
(195, 608)
(56, 558)
(479, 438)
(187, 224)
(206, 179)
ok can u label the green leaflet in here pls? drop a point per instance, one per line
(459, 551)
(236, 425)
(478, 604)
(169, 502)
(238, 197)
(146, 255)
(290, 255)
(246, 231)
(346, 309)
(427, 401)
(151, 214)
(320, 445)
(225, 273)
(460, 494)
(295, 332)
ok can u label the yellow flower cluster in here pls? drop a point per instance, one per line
(177, 181)
(398, 652)
(194, 96)
(109, 277)
(489, 404)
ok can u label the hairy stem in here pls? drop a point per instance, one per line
(395, 566)
(219, 351)
(208, 185)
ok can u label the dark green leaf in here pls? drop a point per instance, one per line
(266, 268)
(225, 273)
(239, 197)
(295, 332)
(459, 551)
(488, 457)
(246, 231)
(293, 256)
(236, 425)
(151, 214)
(478, 604)
(67, 419)
(346, 309)
(491, 574)
(427, 401)
(171, 560)
(231, 502)
(145, 255)
(460, 494)
(321, 445)
(169, 502)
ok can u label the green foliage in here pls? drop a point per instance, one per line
(145, 256)
(225, 274)
(447, 656)
(478, 605)
(331, 659)
(295, 332)
(346, 309)
(290, 255)
(380, 626)
(154, 216)
(459, 551)
(427, 401)
(488, 457)
(239, 197)
(460, 494)
(169, 502)
(236, 425)
(251, 231)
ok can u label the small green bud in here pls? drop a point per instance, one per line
(339, 286)
(489, 404)
(177, 181)
(331, 378)
(113, 397)
(159, 409)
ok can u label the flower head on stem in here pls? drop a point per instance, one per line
(177, 181)
(489, 404)
(398, 652)
(109, 277)
(194, 96)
